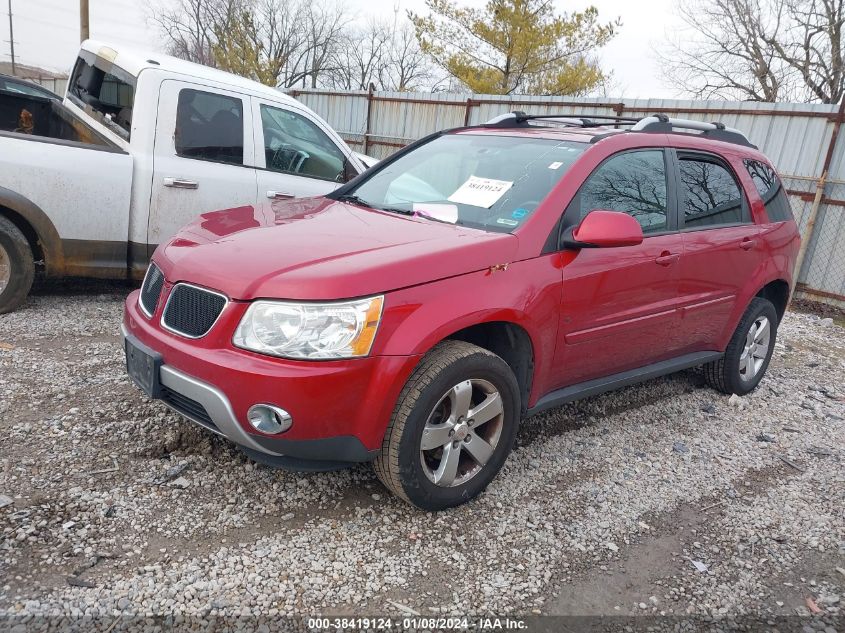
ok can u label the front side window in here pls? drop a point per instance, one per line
(710, 195)
(633, 183)
(295, 145)
(484, 181)
(771, 191)
(107, 91)
(210, 126)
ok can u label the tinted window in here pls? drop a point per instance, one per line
(479, 180)
(210, 126)
(25, 88)
(633, 183)
(108, 92)
(293, 144)
(771, 191)
(709, 193)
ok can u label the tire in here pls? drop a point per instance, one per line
(17, 267)
(439, 386)
(731, 374)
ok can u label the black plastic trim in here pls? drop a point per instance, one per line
(622, 379)
(340, 449)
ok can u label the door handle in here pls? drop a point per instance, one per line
(181, 183)
(280, 195)
(747, 244)
(666, 258)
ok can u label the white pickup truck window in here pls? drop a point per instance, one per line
(109, 95)
(210, 127)
(295, 145)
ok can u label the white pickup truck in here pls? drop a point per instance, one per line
(142, 144)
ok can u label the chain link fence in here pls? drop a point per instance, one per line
(822, 274)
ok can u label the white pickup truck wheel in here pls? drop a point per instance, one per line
(17, 268)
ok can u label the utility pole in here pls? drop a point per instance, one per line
(84, 30)
(12, 38)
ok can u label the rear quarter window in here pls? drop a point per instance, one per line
(106, 91)
(771, 191)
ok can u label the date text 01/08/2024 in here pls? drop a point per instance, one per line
(414, 623)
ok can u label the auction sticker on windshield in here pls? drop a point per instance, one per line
(480, 192)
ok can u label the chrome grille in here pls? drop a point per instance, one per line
(151, 290)
(192, 311)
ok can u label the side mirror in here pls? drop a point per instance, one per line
(604, 229)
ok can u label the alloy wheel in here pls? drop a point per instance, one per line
(5, 268)
(756, 348)
(462, 432)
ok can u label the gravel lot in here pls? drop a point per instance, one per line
(667, 498)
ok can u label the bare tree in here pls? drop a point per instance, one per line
(383, 56)
(363, 60)
(408, 68)
(189, 26)
(277, 42)
(759, 50)
(814, 48)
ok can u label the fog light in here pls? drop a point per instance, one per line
(269, 419)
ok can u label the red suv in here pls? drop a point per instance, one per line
(415, 315)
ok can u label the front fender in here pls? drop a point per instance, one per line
(526, 294)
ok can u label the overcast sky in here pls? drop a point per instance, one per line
(47, 33)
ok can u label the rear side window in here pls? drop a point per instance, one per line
(710, 195)
(633, 183)
(210, 126)
(106, 91)
(771, 191)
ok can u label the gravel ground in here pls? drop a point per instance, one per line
(662, 499)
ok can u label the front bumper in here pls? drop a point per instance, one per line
(340, 409)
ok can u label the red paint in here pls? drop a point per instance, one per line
(588, 312)
(608, 229)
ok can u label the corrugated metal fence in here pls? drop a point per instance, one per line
(801, 139)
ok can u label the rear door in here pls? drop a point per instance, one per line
(295, 155)
(619, 305)
(721, 247)
(203, 156)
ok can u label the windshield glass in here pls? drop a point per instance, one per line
(477, 180)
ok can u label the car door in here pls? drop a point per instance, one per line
(295, 155)
(619, 305)
(203, 156)
(721, 247)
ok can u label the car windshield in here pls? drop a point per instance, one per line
(482, 181)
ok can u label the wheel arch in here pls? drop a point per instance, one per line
(777, 292)
(508, 340)
(37, 228)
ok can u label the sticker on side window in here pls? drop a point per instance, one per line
(480, 192)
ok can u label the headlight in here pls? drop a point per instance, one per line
(310, 330)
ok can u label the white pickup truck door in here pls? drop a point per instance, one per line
(203, 158)
(296, 156)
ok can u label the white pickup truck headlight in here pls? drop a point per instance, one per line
(343, 329)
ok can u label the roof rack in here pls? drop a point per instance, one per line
(520, 119)
(656, 123)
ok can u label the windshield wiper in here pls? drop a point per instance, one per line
(351, 197)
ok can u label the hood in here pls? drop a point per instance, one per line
(321, 249)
